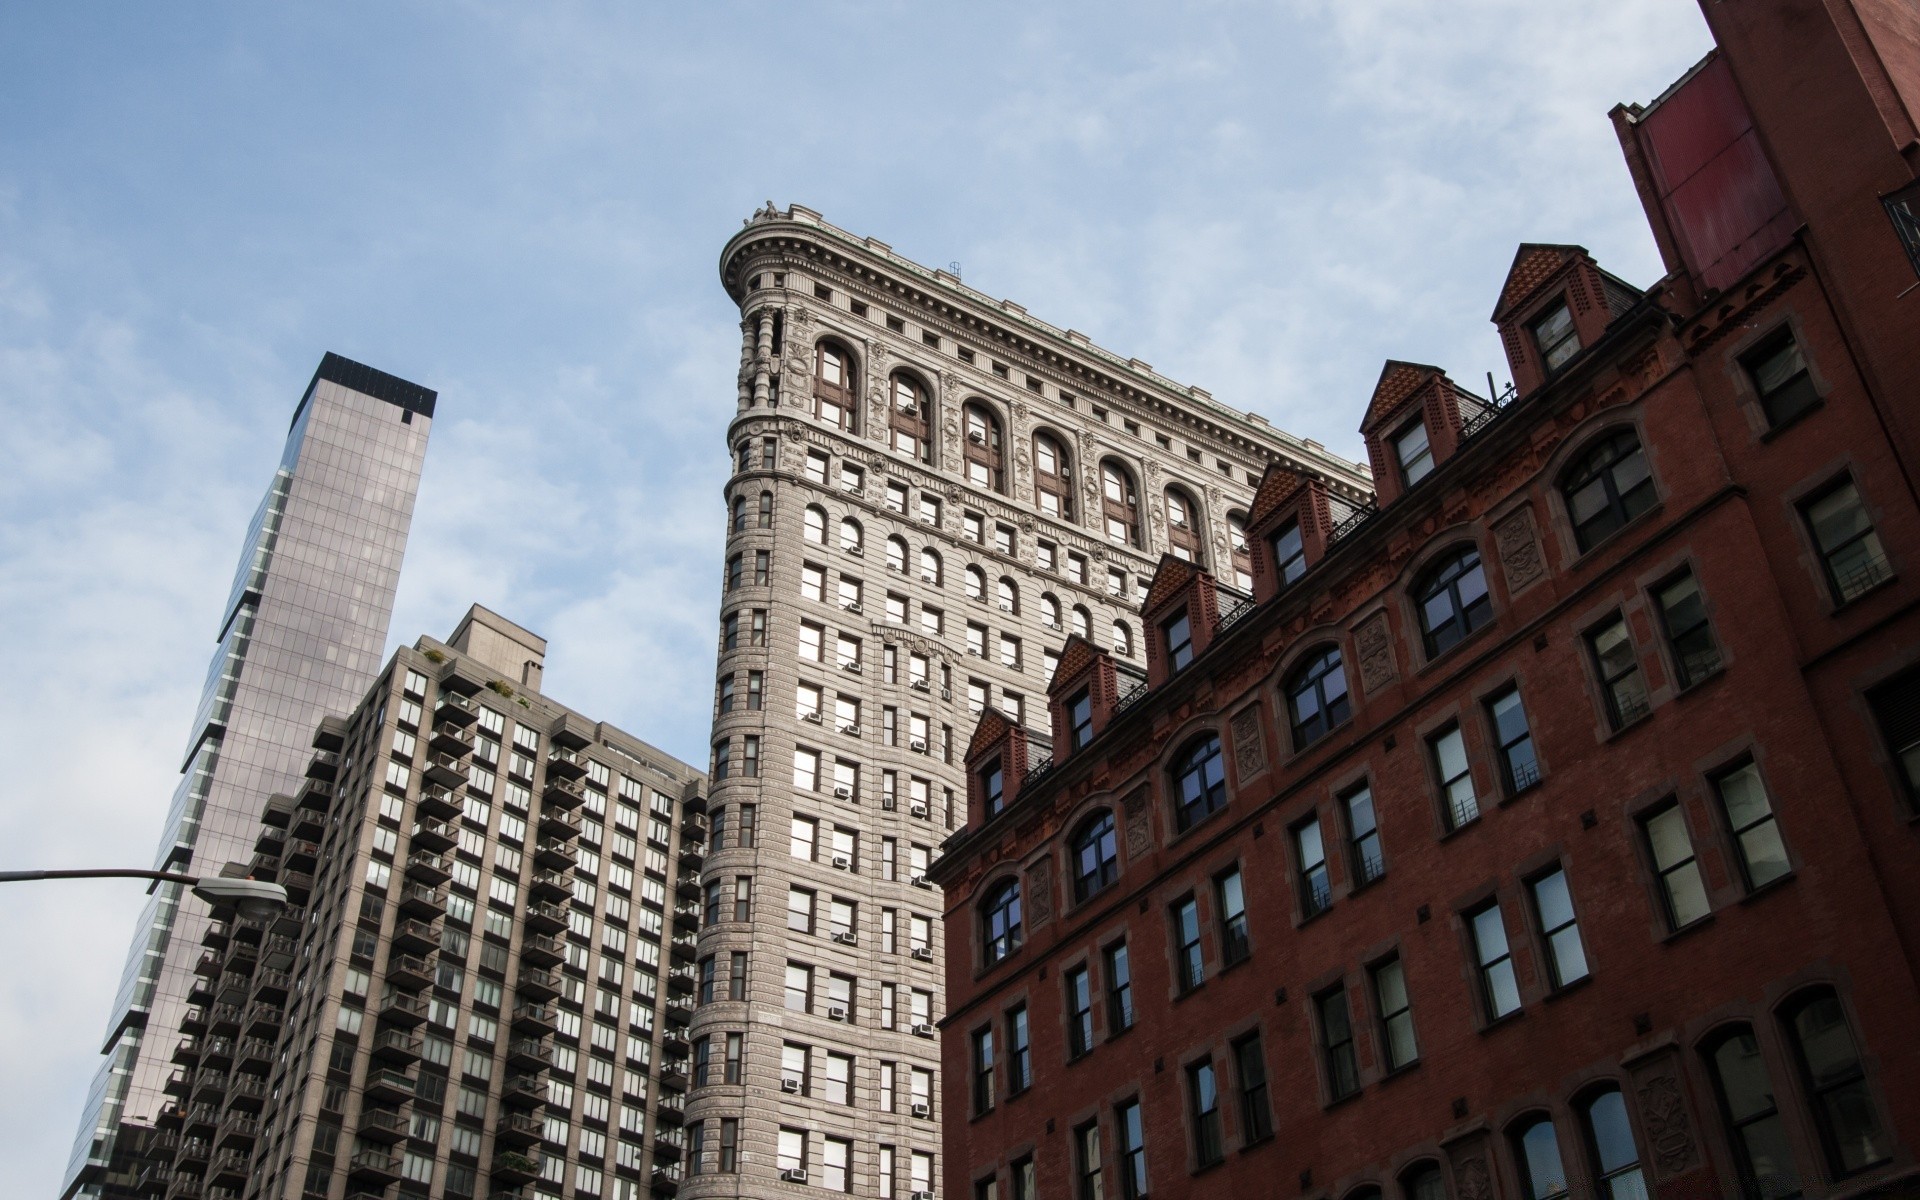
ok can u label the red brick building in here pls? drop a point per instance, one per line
(1549, 826)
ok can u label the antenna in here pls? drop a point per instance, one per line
(953, 268)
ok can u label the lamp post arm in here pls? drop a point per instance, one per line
(97, 873)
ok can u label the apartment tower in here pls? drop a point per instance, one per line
(483, 987)
(931, 491)
(300, 636)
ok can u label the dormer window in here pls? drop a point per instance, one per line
(1554, 334)
(1413, 452)
(1080, 717)
(992, 785)
(1179, 641)
(1289, 555)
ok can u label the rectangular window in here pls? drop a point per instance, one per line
(1413, 452)
(1396, 1014)
(1186, 940)
(1250, 1068)
(1557, 339)
(1086, 1140)
(1179, 641)
(1749, 816)
(1230, 896)
(1079, 1012)
(1499, 989)
(1316, 887)
(1131, 1137)
(1513, 742)
(1780, 377)
(1856, 563)
(791, 1152)
(1203, 1099)
(1619, 670)
(1553, 905)
(1336, 1043)
(1363, 834)
(800, 910)
(1024, 1182)
(1683, 618)
(1683, 896)
(1019, 1051)
(983, 1070)
(1289, 554)
(1080, 717)
(1448, 749)
(1119, 990)
(799, 993)
(806, 770)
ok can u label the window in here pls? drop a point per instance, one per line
(1289, 555)
(729, 1144)
(983, 1070)
(816, 468)
(1241, 550)
(930, 571)
(1119, 990)
(1749, 814)
(1250, 1068)
(1001, 921)
(1896, 708)
(1184, 537)
(1553, 905)
(800, 910)
(1230, 897)
(765, 519)
(1119, 505)
(992, 788)
(911, 418)
(897, 555)
(1086, 1141)
(791, 1152)
(1203, 1099)
(1413, 453)
(1336, 1043)
(1082, 622)
(1423, 1181)
(1095, 850)
(1499, 989)
(1536, 1155)
(1555, 336)
(1448, 750)
(1453, 601)
(1752, 1116)
(1132, 1139)
(1079, 1012)
(852, 538)
(1851, 1133)
(1052, 478)
(1683, 896)
(1191, 964)
(813, 525)
(1606, 487)
(1019, 1051)
(726, 694)
(1363, 834)
(835, 394)
(799, 989)
(1177, 636)
(1609, 1138)
(1683, 617)
(1618, 666)
(1513, 742)
(982, 450)
(1780, 377)
(1390, 1000)
(1310, 855)
(1856, 563)
(1317, 697)
(974, 583)
(1200, 782)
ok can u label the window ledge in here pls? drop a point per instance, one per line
(1114, 1037)
(1343, 1101)
(1242, 961)
(1674, 935)
(1310, 918)
(1195, 990)
(1400, 1072)
(1768, 888)
(1255, 1144)
(1585, 556)
(1840, 606)
(1798, 415)
(1568, 989)
(1499, 1023)
(1622, 731)
(1700, 683)
(1466, 639)
(1520, 793)
(1461, 829)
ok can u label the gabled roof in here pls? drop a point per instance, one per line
(1076, 656)
(1277, 486)
(992, 728)
(1533, 264)
(1398, 380)
(1169, 580)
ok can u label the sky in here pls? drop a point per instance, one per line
(522, 207)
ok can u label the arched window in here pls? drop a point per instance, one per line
(910, 420)
(739, 514)
(1613, 1158)
(897, 554)
(1050, 610)
(930, 566)
(1851, 1132)
(1184, 538)
(851, 537)
(1423, 1181)
(984, 453)
(813, 524)
(1453, 600)
(1000, 921)
(1317, 696)
(1119, 504)
(1607, 486)
(1082, 622)
(1536, 1155)
(976, 584)
(766, 510)
(835, 390)
(1747, 1105)
(1122, 639)
(1096, 855)
(1052, 477)
(1199, 782)
(1366, 1191)
(1008, 593)
(1242, 551)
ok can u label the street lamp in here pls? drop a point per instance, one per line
(251, 898)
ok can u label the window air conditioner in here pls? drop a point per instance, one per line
(850, 667)
(794, 1175)
(843, 792)
(845, 937)
(918, 745)
(842, 862)
(923, 953)
(921, 1195)
(928, 577)
(919, 810)
(790, 1085)
(852, 606)
(920, 881)
(813, 717)
(976, 437)
(1006, 606)
(856, 551)
(888, 803)
(852, 729)
(836, 1013)
(922, 1110)
(919, 685)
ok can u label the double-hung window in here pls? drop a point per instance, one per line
(1683, 896)
(1191, 964)
(1850, 548)
(1203, 1099)
(1618, 666)
(1553, 905)
(1231, 899)
(1749, 815)
(1316, 887)
(1459, 805)
(1499, 987)
(1513, 740)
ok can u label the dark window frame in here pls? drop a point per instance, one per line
(1310, 676)
(1199, 759)
(1097, 833)
(1597, 464)
(1447, 579)
(1781, 396)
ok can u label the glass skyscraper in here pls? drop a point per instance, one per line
(300, 637)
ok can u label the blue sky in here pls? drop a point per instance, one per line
(522, 206)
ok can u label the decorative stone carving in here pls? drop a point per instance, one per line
(1472, 1182)
(1519, 550)
(1375, 644)
(1139, 823)
(1039, 895)
(1249, 749)
(1664, 1111)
